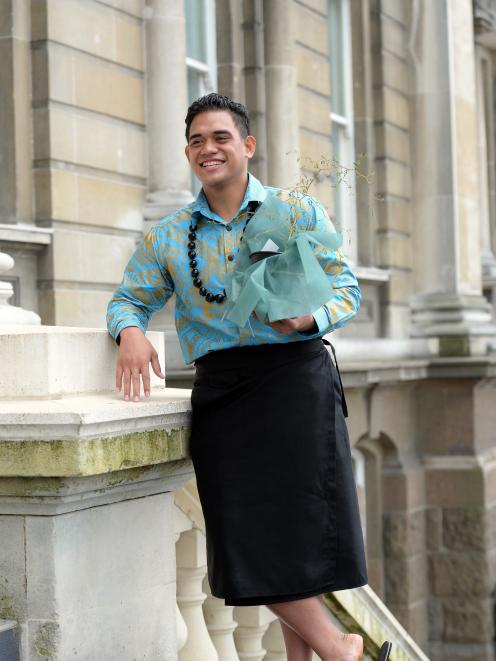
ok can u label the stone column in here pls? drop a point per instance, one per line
(87, 557)
(448, 302)
(230, 52)
(280, 94)
(169, 186)
(16, 154)
(191, 559)
(254, 78)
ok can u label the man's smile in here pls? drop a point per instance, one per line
(212, 163)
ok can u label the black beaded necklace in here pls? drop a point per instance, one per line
(210, 297)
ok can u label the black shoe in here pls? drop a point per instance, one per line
(385, 651)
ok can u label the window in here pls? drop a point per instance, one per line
(339, 31)
(201, 57)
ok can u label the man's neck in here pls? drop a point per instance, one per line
(225, 201)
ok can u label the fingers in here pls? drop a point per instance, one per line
(135, 378)
(127, 383)
(156, 366)
(118, 378)
(284, 326)
(131, 378)
(145, 375)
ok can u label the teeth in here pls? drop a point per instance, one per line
(211, 163)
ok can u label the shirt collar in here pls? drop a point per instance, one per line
(255, 192)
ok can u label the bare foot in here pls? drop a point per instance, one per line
(350, 647)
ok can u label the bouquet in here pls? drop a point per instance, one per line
(277, 273)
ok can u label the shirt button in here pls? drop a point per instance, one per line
(230, 258)
(228, 228)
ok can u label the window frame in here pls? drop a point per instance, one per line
(342, 127)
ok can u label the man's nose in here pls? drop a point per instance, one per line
(209, 147)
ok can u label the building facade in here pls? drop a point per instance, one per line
(401, 93)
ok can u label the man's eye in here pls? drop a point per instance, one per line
(194, 143)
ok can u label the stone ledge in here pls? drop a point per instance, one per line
(92, 435)
(26, 234)
(69, 360)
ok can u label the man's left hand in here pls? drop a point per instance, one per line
(294, 325)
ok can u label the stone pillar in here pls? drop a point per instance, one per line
(230, 53)
(220, 625)
(448, 302)
(280, 95)
(253, 622)
(457, 418)
(191, 570)
(16, 153)
(169, 184)
(254, 74)
(87, 556)
(273, 642)
(10, 314)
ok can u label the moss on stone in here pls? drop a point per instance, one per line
(47, 640)
(84, 457)
(7, 608)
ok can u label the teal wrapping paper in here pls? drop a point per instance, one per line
(290, 284)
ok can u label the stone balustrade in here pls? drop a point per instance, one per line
(224, 633)
(10, 314)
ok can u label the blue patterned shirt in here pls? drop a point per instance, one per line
(160, 267)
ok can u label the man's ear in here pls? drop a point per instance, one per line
(186, 151)
(250, 145)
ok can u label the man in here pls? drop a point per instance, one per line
(276, 488)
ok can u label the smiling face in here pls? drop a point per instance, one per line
(216, 151)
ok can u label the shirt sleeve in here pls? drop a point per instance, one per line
(345, 302)
(145, 288)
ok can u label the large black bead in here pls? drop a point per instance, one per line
(192, 236)
(195, 273)
(192, 228)
(197, 282)
(209, 297)
(192, 254)
(193, 263)
(219, 298)
(191, 245)
(203, 291)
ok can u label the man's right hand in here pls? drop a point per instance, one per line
(135, 354)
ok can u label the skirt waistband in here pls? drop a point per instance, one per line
(257, 355)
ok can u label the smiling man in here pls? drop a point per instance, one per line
(269, 442)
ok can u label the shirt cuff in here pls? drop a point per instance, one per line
(321, 319)
(320, 326)
(124, 325)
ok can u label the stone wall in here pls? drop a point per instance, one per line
(428, 445)
(89, 150)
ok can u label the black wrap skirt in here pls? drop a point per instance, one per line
(272, 459)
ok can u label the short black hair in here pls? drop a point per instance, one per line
(216, 101)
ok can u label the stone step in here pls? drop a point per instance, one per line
(9, 645)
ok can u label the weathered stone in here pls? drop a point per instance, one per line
(12, 583)
(460, 652)
(404, 533)
(457, 574)
(464, 529)
(434, 528)
(406, 579)
(467, 621)
(436, 618)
